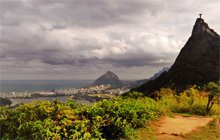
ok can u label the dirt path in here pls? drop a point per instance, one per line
(174, 128)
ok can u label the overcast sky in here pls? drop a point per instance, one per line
(82, 39)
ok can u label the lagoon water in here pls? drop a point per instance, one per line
(60, 98)
(7, 86)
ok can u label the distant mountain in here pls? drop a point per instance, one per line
(197, 63)
(108, 78)
(138, 83)
(165, 69)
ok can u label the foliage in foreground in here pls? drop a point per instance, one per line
(107, 119)
(193, 100)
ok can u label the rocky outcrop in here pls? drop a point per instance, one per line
(197, 63)
(109, 78)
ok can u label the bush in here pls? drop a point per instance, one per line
(134, 94)
(121, 116)
(5, 102)
(55, 120)
(46, 120)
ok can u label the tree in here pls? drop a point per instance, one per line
(5, 101)
(214, 90)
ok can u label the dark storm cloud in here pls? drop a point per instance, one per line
(137, 62)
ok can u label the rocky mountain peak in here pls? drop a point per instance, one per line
(110, 73)
(201, 27)
(109, 78)
(197, 63)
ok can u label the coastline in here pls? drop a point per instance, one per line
(87, 95)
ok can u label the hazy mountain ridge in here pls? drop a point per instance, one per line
(165, 69)
(136, 83)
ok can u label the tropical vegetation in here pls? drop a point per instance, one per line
(115, 118)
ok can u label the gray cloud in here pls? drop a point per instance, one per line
(83, 37)
(82, 13)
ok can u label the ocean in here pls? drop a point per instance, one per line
(7, 86)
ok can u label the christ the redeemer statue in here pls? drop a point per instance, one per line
(200, 15)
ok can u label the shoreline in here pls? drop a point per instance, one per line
(87, 94)
(104, 89)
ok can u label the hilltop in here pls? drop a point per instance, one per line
(109, 78)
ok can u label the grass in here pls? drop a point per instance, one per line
(146, 133)
(209, 132)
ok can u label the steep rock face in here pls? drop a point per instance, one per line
(197, 63)
(108, 78)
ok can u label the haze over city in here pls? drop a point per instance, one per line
(82, 39)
